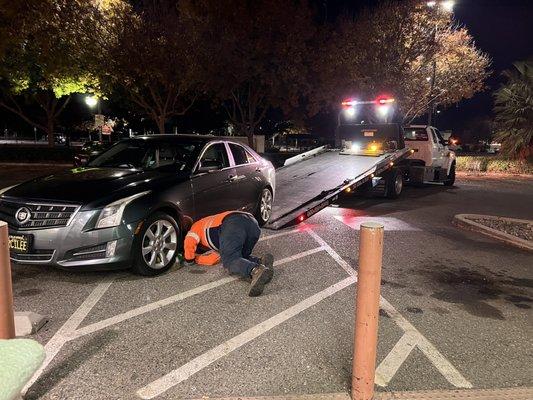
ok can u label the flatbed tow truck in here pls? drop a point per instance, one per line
(371, 157)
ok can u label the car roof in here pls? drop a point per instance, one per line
(180, 137)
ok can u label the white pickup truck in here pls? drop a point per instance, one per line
(432, 160)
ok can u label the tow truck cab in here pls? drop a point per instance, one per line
(432, 160)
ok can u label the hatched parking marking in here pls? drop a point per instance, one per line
(69, 330)
(184, 372)
(392, 362)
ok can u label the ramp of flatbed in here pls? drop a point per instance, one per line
(298, 183)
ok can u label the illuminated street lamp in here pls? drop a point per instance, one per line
(91, 101)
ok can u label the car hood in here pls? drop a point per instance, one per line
(85, 185)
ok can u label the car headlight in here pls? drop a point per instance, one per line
(2, 191)
(111, 215)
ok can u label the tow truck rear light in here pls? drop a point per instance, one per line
(301, 218)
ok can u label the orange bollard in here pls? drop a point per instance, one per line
(7, 318)
(367, 310)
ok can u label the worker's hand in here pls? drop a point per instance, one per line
(187, 263)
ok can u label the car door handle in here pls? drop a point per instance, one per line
(231, 178)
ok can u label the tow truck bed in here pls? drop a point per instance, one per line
(306, 187)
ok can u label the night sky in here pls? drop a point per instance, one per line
(501, 28)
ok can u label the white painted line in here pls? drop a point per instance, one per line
(285, 233)
(450, 373)
(57, 341)
(390, 223)
(344, 265)
(148, 307)
(394, 360)
(105, 323)
(184, 372)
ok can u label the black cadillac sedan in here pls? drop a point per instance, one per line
(125, 208)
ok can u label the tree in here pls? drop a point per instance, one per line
(392, 49)
(259, 54)
(44, 57)
(150, 55)
(513, 104)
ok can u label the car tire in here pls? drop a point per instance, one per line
(394, 184)
(450, 180)
(156, 246)
(263, 209)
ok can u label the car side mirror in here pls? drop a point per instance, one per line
(209, 166)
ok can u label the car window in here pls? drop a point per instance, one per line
(250, 157)
(415, 134)
(439, 136)
(239, 154)
(140, 154)
(216, 153)
(435, 138)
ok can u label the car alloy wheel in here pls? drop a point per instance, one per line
(159, 244)
(265, 207)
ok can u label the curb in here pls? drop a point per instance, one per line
(28, 323)
(521, 393)
(464, 221)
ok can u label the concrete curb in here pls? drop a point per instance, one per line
(28, 323)
(522, 393)
(465, 221)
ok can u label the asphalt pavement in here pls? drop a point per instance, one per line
(455, 309)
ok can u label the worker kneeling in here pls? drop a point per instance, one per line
(230, 236)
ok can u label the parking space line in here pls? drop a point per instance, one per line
(184, 372)
(394, 360)
(172, 299)
(276, 235)
(333, 254)
(57, 341)
(450, 373)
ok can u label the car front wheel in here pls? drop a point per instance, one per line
(264, 207)
(155, 248)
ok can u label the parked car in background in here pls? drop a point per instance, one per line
(89, 151)
(125, 208)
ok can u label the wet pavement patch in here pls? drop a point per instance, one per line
(28, 292)
(472, 287)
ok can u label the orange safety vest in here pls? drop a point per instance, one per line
(199, 234)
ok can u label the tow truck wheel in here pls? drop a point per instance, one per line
(263, 209)
(156, 246)
(394, 184)
(450, 180)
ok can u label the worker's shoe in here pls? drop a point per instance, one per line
(260, 276)
(268, 261)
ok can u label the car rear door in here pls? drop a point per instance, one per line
(214, 190)
(248, 178)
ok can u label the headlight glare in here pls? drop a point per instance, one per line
(111, 215)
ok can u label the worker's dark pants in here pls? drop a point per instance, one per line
(238, 235)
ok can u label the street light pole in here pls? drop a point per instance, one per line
(447, 7)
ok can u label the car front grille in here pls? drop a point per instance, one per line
(41, 215)
(34, 256)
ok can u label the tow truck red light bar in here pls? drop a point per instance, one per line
(380, 100)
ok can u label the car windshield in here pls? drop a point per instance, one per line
(416, 134)
(149, 155)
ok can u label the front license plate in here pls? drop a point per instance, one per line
(20, 243)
